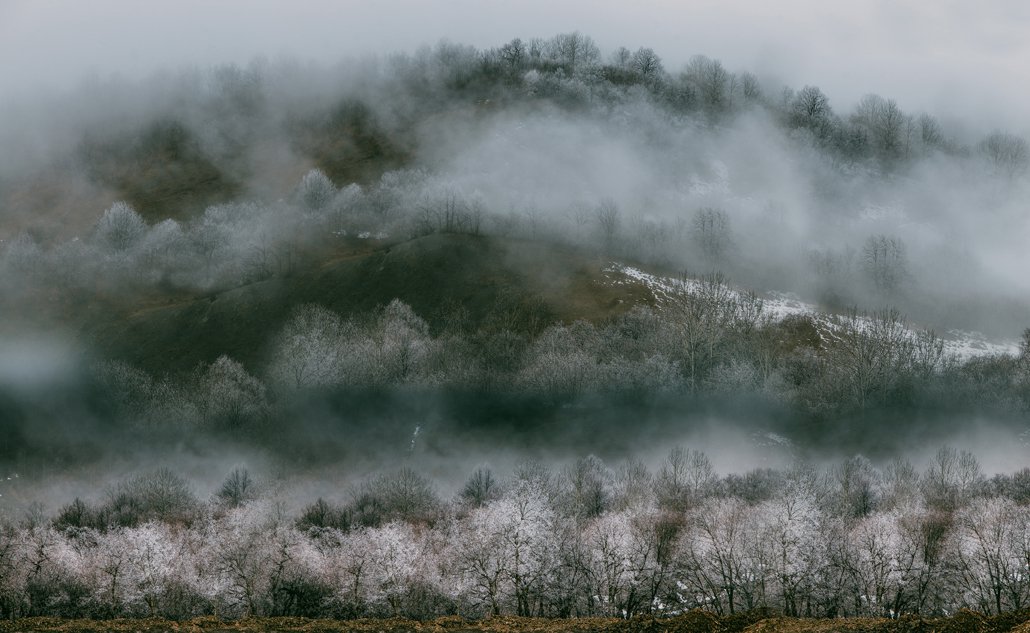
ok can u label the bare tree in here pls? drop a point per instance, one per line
(885, 262)
(647, 64)
(1007, 154)
(853, 488)
(887, 125)
(237, 489)
(930, 133)
(609, 221)
(684, 479)
(951, 479)
(810, 109)
(706, 316)
(750, 88)
(514, 55)
(992, 555)
(574, 51)
(634, 485)
(588, 483)
(711, 233)
(717, 563)
(449, 213)
(899, 484)
(711, 81)
(621, 58)
(866, 357)
(480, 488)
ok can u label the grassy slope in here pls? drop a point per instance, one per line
(495, 282)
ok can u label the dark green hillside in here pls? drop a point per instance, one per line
(482, 282)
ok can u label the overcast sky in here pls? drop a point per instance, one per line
(953, 58)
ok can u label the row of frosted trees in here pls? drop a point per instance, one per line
(587, 540)
(704, 339)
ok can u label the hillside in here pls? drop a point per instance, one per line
(174, 165)
(535, 261)
(486, 282)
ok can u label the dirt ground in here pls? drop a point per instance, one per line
(693, 622)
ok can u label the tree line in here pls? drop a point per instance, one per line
(704, 340)
(587, 539)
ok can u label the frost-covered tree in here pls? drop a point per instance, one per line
(717, 558)
(992, 555)
(631, 555)
(787, 533)
(152, 555)
(883, 565)
(120, 228)
(242, 557)
(229, 396)
(810, 109)
(164, 251)
(404, 346)
(573, 51)
(308, 352)
(316, 191)
(394, 561)
(647, 64)
(503, 552)
(711, 82)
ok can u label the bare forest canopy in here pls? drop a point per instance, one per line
(369, 276)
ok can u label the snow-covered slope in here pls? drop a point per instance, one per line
(958, 344)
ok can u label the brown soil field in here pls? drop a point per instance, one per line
(693, 622)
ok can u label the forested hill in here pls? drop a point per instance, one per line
(238, 244)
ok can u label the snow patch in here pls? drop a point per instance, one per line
(959, 345)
